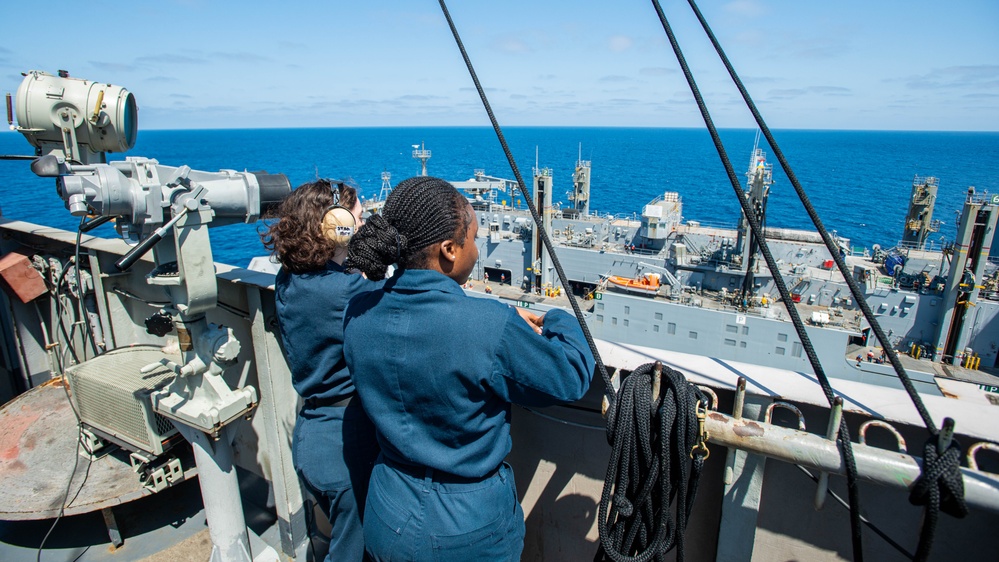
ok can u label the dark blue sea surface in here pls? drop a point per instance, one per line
(859, 181)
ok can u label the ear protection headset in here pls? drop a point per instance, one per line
(338, 221)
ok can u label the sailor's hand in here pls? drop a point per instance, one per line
(533, 320)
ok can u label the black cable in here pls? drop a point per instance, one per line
(534, 211)
(79, 287)
(858, 295)
(65, 387)
(843, 438)
(901, 549)
(76, 461)
(947, 469)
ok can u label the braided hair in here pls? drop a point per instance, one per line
(297, 239)
(419, 212)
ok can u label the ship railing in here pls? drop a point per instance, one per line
(717, 225)
(928, 246)
(894, 468)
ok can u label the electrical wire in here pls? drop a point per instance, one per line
(79, 421)
(85, 318)
(901, 549)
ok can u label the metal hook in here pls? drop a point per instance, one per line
(786, 406)
(972, 463)
(714, 396)
(885, 425)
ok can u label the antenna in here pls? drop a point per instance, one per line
(422, 154)
(386, 186)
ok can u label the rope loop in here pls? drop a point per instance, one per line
(939, 487)
(651, 465)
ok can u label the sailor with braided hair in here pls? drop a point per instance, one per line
(334, 444)
(437, 373)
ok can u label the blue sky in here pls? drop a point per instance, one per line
(889, 64)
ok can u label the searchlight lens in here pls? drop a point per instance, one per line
(56, 111)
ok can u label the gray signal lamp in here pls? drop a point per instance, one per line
(73, 119)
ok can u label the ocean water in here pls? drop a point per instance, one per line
(859, 181)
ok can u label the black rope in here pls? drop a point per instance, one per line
(858, 295)
(534, 211)
(952, 462)
(940, 486)
(843, 438)
(901, 549)
(651, 465)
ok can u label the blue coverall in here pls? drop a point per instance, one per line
(440, 370)
(334, 445)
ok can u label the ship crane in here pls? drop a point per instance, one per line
(676, 287)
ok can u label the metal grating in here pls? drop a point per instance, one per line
(112, 396)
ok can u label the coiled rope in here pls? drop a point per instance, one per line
(657, 452)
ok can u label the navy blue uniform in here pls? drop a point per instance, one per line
(440, 370)
(334, 444)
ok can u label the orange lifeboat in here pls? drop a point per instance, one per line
(646, 285)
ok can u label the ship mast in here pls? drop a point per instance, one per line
(760, 178)
(421, 153)
(580, 195)
(543, 201)
(919, 222)
(386, 186)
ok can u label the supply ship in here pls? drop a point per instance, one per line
(137, 366)
(655, 280)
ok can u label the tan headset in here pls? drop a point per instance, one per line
(338, 221)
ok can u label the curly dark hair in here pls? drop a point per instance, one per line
(419, 212)
(296, 238)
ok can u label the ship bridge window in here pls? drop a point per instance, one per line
(781, 337)
(730, 342)
(655, 327)
(600, 306)
(600, 317)
(627, 310)
(745, 330)
(625, 321)
(732, 329)
(671, 328)
(742, 344)
(614, 320)
(659, 316)
(780, 351)
(693, 335)
(796, 349)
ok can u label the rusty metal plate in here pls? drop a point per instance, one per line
(38, 447)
